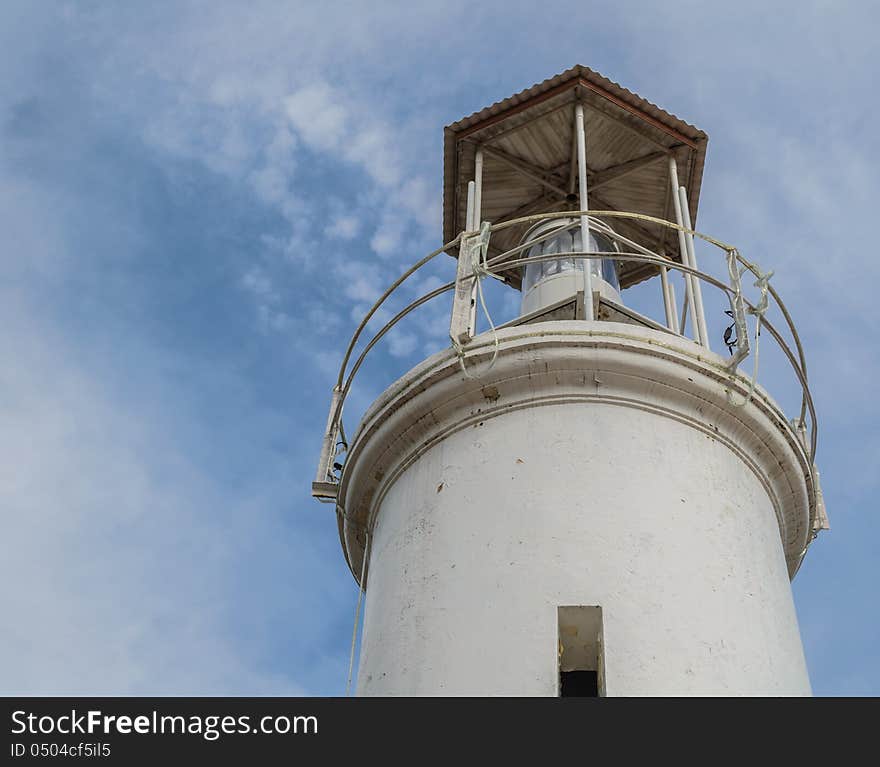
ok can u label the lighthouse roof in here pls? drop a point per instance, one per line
(527, 142)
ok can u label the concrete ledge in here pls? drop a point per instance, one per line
(551, 363)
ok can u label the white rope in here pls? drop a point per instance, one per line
(357, 612)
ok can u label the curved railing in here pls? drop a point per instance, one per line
(473, 244)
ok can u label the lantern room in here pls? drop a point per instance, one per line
(577, 142)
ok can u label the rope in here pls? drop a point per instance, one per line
(357, 612)
(459, 353)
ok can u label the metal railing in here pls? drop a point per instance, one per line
(473, 246)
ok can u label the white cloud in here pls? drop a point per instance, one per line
(402, 344)
(256, 281)
(269, 316)
(329, 121)
(419, 285)
(121, 548)
(215, 137)
(388, 239)
(322, 119)
(270, 183)
(322, 320)
(343, 227)
(319, 116)
(271, 319)
(371, 147)
(359, 281)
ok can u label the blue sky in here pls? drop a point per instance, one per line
(198, 202)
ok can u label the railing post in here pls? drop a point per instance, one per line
(464, 302)
(324, 485)
(739, 313)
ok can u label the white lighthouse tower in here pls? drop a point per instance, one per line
(586, 500)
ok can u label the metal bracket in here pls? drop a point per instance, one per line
(473, 250)
(325, 485)
(464, 300)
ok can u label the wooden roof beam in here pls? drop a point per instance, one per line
(598, 179)
(635, 112)
(639, 128)
(534, 172)
(538, 205)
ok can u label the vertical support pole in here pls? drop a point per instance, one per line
(668, 306)
(674, 307)
(692, 257)
(476, 223)
(684, 312)
(478, 188)
(683, 249)
(473, 224)
(464, 304)
(589, 310)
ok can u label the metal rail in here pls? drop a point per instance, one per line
(326, 483)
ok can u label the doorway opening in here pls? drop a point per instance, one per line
(580, 652)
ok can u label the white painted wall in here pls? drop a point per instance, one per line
(588, 501)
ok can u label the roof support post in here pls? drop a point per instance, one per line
(478, 187)
(668, 300)
(674, 307)
(573, 163)
(589, 311)
(689, 279)
(692, 257)
(475, 225)
(684, 311)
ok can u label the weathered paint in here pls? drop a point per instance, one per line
(593, 464)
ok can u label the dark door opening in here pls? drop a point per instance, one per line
(579, 684)
(580, 652)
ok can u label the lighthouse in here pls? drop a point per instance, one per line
(587, 500)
